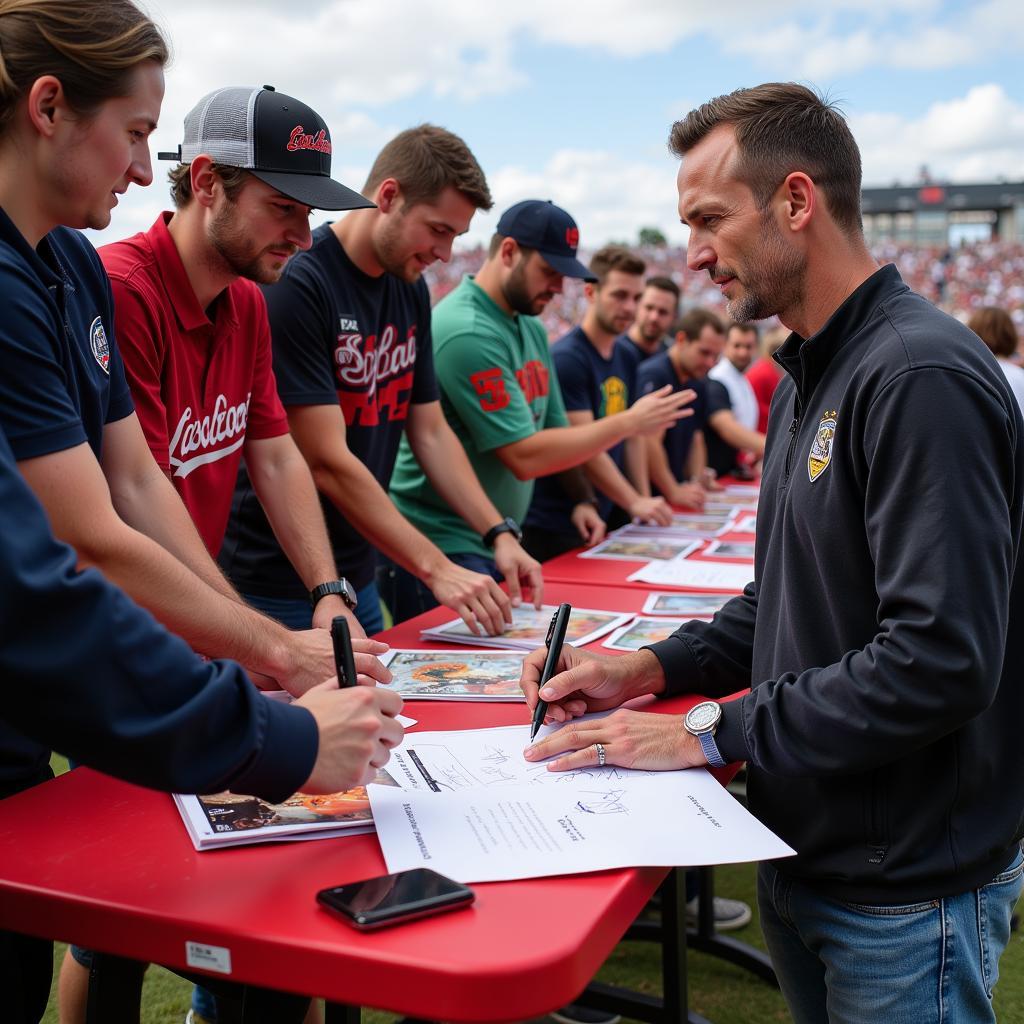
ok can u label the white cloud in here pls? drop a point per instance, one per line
(976, 137)
(609, 198)
(911, 37)
(367, 53)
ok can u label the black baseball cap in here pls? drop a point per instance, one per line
(539, 224)
(275, 137)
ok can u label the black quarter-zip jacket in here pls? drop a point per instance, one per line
(882, 635)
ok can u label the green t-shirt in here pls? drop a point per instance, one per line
(498, 385)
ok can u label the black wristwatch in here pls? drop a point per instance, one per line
(507, 525)
(341, 587)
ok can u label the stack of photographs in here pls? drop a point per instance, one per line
(234, 819)
(645, 547)
(731, 549)
(455, 675)
(529, 629)
(641, 632)
(694, 606)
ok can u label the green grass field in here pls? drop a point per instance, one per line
(722, 993)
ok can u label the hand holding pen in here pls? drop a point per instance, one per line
(344, 660)
(554, 641)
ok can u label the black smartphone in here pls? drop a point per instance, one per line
(392, 899)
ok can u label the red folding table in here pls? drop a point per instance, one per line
(89, 859)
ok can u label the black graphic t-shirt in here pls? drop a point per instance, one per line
(338, 336)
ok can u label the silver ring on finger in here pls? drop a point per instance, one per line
(601, 758)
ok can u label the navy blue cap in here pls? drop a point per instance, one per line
(539, 224)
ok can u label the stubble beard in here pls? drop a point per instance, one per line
(236, 252)
(516, 295)
(387, 246)
(776, 283)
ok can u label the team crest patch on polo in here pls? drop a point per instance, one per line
(820, 454)
(99, 345)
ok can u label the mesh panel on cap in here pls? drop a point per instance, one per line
(219, 126)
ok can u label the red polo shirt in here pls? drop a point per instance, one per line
(764, 376)
(201, 388)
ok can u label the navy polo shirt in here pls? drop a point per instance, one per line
(722, 457)
(589, 383)
(655, 373)
(62, 379)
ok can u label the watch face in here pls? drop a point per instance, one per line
(703, 716)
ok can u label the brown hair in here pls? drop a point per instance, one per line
(232, 178)
(783, 127)
(615, 257)
(426, 160)
(92, 46)
(663, 284)
(993, 325)
(693, 321)
(743, 328)
(525, 251)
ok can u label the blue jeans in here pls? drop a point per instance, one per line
(295, 613)
(932, 962)
(407, 596)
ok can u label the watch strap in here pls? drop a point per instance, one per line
(507, 525)
(711, 751)
(341, 587)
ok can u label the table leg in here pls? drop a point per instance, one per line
(707, 940)
(671, 933)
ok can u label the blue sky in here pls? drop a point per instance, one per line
(573, 101)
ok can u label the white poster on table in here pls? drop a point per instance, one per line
(695, 575)
(470, 806)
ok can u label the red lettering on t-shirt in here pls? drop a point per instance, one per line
(382, 368)
(490, 386)
(393, 399)
(533, 380)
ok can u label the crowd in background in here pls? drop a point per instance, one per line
(959, 281)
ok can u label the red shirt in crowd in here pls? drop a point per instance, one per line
(764, 376)
(201, 388)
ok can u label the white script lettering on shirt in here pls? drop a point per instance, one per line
(368, 369)
(225, 423)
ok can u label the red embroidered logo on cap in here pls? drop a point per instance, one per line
(572, 237)
(299, 140)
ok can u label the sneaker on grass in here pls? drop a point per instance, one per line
(575, 1014)
(729, 914)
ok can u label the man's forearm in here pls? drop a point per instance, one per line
(557, 448)
(657, 462)
(354, 491)
(730, 430)
(450, 472)
(602, 472)
(697, 457)
(210, 623)
(637, 472)
(153, 507)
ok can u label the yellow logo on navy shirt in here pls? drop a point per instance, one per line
(614, 393)
(820, 454)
